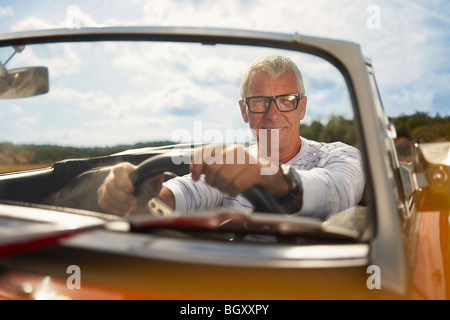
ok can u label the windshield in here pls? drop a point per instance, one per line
(105, 98)
(106, 94)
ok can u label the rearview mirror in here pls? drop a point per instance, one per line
(23, 82)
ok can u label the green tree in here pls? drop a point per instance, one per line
(311, 131)
(420, 126)
(337, 129)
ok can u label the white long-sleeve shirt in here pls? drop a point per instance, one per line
(332, 175)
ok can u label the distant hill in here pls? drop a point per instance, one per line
(46, 154)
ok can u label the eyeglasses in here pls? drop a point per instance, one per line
(261, 104)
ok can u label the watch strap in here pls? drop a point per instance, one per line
(293, 201)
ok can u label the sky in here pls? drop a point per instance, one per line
(408, 41)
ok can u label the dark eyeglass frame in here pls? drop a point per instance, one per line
(274, 99)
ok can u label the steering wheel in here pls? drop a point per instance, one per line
(258, 196)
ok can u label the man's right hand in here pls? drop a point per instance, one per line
(115, 195)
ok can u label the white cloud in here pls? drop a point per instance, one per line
(6, 11)
(409, 100)
(74, 18)
(32, 23)
(16, 110)
(24, 122)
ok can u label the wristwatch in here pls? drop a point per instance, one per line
(295, 185)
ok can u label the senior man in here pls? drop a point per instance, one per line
(315, 179)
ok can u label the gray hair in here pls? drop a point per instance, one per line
(275, 66)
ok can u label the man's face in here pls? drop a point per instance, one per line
(288, 123)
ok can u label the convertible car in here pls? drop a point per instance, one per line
(149, 96)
